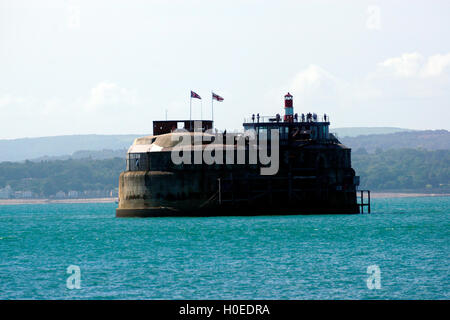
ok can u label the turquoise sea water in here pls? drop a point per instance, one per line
(277, 257)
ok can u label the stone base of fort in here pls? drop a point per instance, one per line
(227, 211)
(197, 194)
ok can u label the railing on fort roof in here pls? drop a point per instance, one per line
(273, 119)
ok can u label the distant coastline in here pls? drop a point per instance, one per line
(405, 195)
(375, 195)
(47, 201)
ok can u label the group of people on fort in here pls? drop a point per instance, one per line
(309, 117)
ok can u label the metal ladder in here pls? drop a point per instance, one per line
(362, 204)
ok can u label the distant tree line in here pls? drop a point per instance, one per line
(46, 178)
(400, 169)
(403, 169)
(426, 139)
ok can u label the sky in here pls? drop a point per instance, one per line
(112, 67)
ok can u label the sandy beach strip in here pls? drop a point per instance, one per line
(406, 195)
(47, 201)
(374, 195)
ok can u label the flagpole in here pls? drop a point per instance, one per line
(212, 108)
(190, 112)
(201, 109)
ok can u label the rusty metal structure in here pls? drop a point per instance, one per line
(314, 173)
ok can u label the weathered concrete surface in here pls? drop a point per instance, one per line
(194, 193)
(180, 191)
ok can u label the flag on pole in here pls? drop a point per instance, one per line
(194, 95)
(217, 97)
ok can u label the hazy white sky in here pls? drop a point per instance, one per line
(77, 67)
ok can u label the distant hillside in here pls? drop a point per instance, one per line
(358, 131)
(99, 147)
(46, 178)
(427, 139)
(32, 148)
(404, 169)
(87, 154)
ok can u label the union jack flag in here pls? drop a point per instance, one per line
(217, 97)
(194, 95)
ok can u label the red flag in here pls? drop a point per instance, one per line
(217, 97)
(194, 95)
